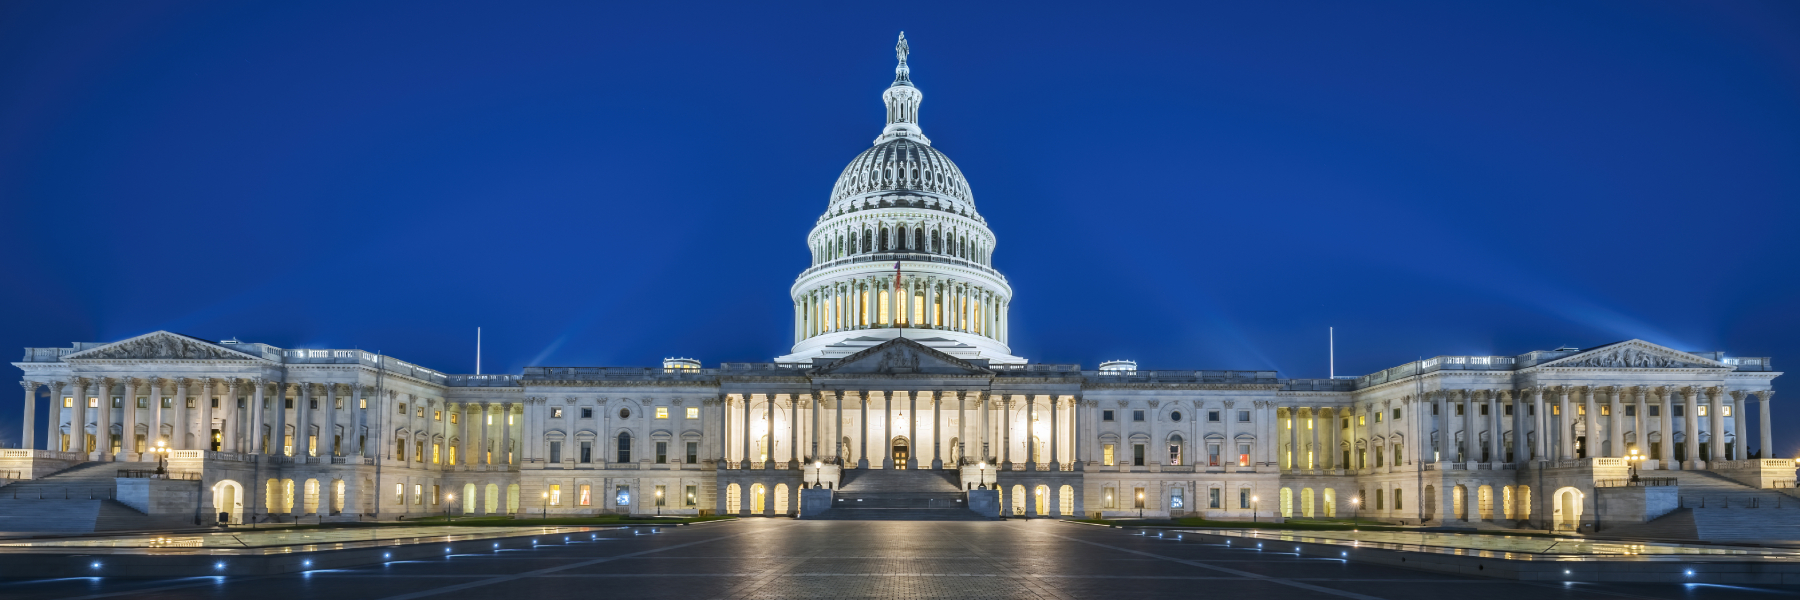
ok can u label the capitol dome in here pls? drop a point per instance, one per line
(901, 166)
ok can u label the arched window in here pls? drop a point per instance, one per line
(937, 242)
(624, 447)
(868, 241)
(884, 241)
(918, 239)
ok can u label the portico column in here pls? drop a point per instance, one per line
(1739, 426)
(837, 427)
(280, 435)
(1565, 426)
(1056, 432)
(1006, 430)
(303, 424)
(1615, 423)
(914, 444)
(27, 434)
(887, 430)
(103, 425)
(745, 463)
(1496, 433)
(1691, 426)
(481, 450)
(209, 387)
(78, 416)
(254, 427)
(982, 404)
(186, 391)
(794, 431)
(1471, 444)
(1440, 404)
(1639, 429)
(862, 456)
(937, 430)
(1031, 455)
(1316, 459)
(1766, 441)
(329, 431)
(816, 399)
(1665, 422)
(1079, 438)
(1715, 397)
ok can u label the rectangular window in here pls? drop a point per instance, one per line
(1243, 455)
(1243, 416)
(1107, 495)
(691, 498)
(453, 417)
(693, 412)
(693, 453)
(1212, 416)
(1243, 497)
(191, 402)
(624, 449)
(418, 451)
(586, 494)
(452, 454)
(1581, 409)
(660, 501)
(662, 453)
(1605, 410)
(145, 402)
(556, 412)
(622, 495)
(1212, 455)
(1396, 413)
(1377, 417)
(555, 495)
(1346, 423)
(1702, 410)
(1137, 415)
(1655, 411)
(1725, 410)
(418, 493)
(1680, 410)
(1459, 410)
(1106, 454)
(1555, 409)
(555, 452)
(117, 403)
(434, 495)
(420, 413)
(587, 452)
(400, 493)
(1174, 454)
(1630, 411)
(1508, 408)
(402, 407)
(435, 450)
(1212, 498)
(1175, 499)
(1484, 410)
(399, 450)
(1137, 498)
(662, 412)
(1362, 420)
(1397, 503)
(1137, 455)
(437, 415)
(1434, 410)
(363, 404)
(1105, 415)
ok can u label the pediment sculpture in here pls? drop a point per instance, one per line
(161, 346)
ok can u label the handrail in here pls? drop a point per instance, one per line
(149, 474)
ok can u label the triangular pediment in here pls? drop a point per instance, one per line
(1635, 354)
(901, 356)
(161, 345)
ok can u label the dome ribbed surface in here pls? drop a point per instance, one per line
(902, 165)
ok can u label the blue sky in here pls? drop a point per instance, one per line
(1190, 185)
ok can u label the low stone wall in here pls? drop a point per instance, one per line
(36, 464)
(814, 501)
(1761, 474)
(158, 497)
(1620, 506)
(985, 502)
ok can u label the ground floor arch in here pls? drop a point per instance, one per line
(1018, 500)
(1040, 498)
(734, 499)
(1066, 501)
(1287, 502)
(1330, 502)
(1306, 502)
(758, 497)
(228, 500)
(512, 498)
(468, 499)
(781, 498)
(490, 499)
(1568, 507)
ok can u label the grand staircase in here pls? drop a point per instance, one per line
(1715, 508)
(76, 500)
(900, 495)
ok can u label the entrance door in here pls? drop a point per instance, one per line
(900, 453)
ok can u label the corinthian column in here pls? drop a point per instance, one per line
(27, 437)
(1716, 429)
(1766, 441)
(1691, 427)
(78, 416)
(1739, 426)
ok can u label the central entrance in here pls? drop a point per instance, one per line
(900, 453)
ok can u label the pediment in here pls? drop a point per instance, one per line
(901, 356)
(161, 345)
(1634, 354)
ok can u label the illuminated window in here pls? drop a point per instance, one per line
(403, 408)
(1581, 409)
(659, 495)
(1106, 455)
(662, 412)
(586, 495)
(1605, 410)
(1555, 409)
(435, 448)
(453, 418)
(556, 412)
(1702, 410)
(1725, 410)
(1243, 455)
(693, 412)
(363, 403)
(69, 402)
(434, 494)
(420, 412)
(555, 495)
(1377, 417)
(418, 493)
(437, 415)
(1108, 496)
(400, 493)
(691, 498)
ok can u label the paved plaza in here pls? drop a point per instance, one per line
(781, 558)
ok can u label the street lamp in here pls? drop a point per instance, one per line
(1140, 504)
(1632, 462)
(162, 457)
(448, 500)
(1355, 510)
(546, 505)
(818, 474)
(982, 473)
(659, 501)
(1253, 506)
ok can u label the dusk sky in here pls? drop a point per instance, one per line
(1190, 185)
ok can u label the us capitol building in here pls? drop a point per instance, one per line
(900, 362)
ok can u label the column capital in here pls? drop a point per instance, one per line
(1764, 395)
(1737, 395)
(30, 388)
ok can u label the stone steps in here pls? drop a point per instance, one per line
(1711, 490)
(899, 495)
(1719, 524)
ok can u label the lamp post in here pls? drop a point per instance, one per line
(1140, 504)
(162, 457)
(818, 474)
(546, 505)
(1253, 506)
(1355, 510)
(981, 474)
(659, 500)
(1632, 462)
(448, 500)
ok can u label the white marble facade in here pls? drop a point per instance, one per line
(900, 360)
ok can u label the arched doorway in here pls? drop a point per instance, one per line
(1065, 501)
(228, 498)
(1459, 502)
(1018, 500)
(781, 498)
(512, 498)
(1041, 499)
(468, 506)
(734, 499)
(1430, 501)
(490, 500)
(1568, 509)
(758, 498)
(1306, 502)
(901, 451)
(1287, 502)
